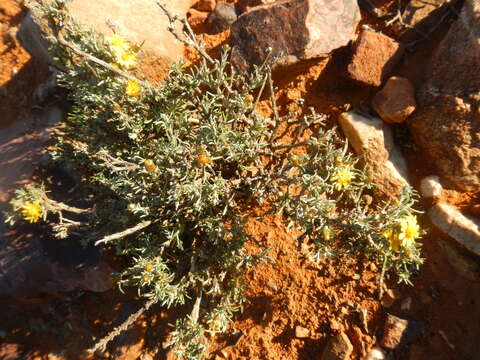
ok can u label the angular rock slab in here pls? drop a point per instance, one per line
(446, 123)
(373, 139)
(374, 57)
(464, 229)
(138, 20)
(30, 263)
(295, 30)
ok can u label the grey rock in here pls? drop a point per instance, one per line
(338, 347)
(30, 262)
(46, 89)
(373, 139)
(399, 332)
(221, 18)
(30, 35)
(289, 31)
(446, 123)
(464, 229)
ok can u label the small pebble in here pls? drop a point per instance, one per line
(301, 332)
(375, 354)
(221, 18)
(430, 186)
(406, 304)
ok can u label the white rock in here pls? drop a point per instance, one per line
(373, 138)
(464, 229)
(375, 354)
(430, 186)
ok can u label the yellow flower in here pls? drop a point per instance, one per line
(393, 240)
(214, 324)
(150, 166)
(201, 150)
(409, 230)
(127, 59)
(204, 160)
(148, 267)
(132, 88)
(296, 160)
(343, 177)
(117, 42)
(31, 211)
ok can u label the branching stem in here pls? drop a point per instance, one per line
(124, 233)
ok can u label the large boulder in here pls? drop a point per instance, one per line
(446, 124)
(294, 30)
(138, 20)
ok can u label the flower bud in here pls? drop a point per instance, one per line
(204, 160)
(148, 267)
(150, 166)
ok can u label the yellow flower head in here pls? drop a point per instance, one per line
(296, 160)
(132, 88)
(343, 177)
(409, 230)
(117, 42)
(204, 160)
(148, 267)
(31, 211)
(392, 238)
(127, 59)
(214, 324)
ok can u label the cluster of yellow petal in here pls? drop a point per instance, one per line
(403, 235)
(343, 177)
(204, 160)
(125, 53)
(132, 88)
(31, 211)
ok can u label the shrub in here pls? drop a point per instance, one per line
(172, 166)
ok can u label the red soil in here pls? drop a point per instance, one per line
(18, 72)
